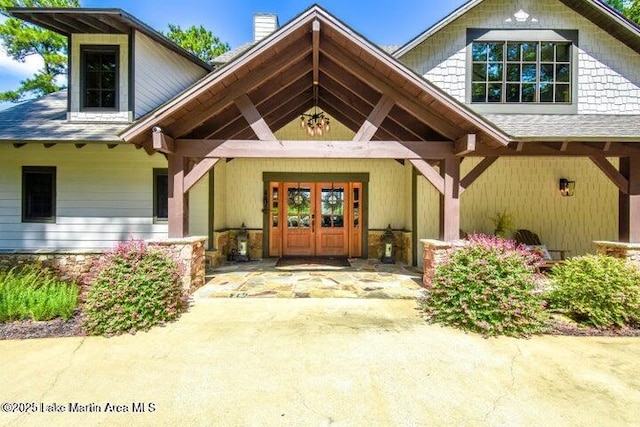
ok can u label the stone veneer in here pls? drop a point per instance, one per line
(190, 251)
(77, 265)
(71, 265)
(628, 251)
(433, 253)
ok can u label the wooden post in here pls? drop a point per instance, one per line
(450, 200)
(178, 198)
(629, 204)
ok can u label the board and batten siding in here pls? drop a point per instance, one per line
(103, 196)
(160, 74)
(608, 70)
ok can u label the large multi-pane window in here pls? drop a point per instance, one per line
(521, 72)
(99, 77)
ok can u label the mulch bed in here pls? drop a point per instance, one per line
(560, 326)
(42, 329)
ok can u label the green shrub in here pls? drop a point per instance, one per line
(32, 293)
(135, 288)
(487, 286)
(597, 290)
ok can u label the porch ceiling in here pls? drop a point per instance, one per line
(355, 81)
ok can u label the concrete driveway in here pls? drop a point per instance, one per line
(316, 362)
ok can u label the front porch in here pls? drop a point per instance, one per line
(263, 279)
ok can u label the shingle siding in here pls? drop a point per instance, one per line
(608, 71)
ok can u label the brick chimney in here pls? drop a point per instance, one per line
(263, 25)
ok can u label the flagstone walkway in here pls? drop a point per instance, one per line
(364, 279)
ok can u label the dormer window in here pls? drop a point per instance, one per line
(99, 77)
(521, 72)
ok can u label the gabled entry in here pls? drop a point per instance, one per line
(314, 60)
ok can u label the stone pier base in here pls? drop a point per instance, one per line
(628, 251)
(190, 251)
(433, 253)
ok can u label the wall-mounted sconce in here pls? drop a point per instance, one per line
(567, 188)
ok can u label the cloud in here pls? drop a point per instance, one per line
(10, 67)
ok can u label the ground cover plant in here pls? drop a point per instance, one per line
(135, 287)
(597, 290)
(31, 293)
(488, 286)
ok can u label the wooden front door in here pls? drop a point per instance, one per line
(315, 219)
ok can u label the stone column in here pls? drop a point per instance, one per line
(433, 253)
(628, 251)
(190, 251)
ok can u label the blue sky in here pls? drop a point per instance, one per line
(382, 22)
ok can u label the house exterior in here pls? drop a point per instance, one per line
(484, 112)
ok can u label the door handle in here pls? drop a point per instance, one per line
(313, 223)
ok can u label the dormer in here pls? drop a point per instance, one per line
(119, 68)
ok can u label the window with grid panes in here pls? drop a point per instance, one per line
(521, 72)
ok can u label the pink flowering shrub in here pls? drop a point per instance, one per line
(487, 286)
(135, 287)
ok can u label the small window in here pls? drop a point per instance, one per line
(99, 77)
(160, 195)
(38, 194)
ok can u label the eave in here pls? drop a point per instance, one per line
(67, 21)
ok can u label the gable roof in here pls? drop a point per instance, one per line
(596, 11)
(67, 21)
(277, 75)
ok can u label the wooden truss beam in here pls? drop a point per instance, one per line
(315, 50)
(406, 100)
(311, 149)
(161, 142)
(254, 118)
(429, 173)
(476, 172)
(198, 171)
(465, 145)
(291, 55)
(612, 173)
(375, 119)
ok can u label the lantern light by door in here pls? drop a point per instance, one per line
(243, 244)
(387, 240)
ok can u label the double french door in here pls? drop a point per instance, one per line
(315, 219)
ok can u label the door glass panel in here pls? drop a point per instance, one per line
(274, 206)
(356, 207)
(299, 207)
(332, 207)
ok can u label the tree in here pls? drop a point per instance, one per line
(629, 8)
(197, 40)
(21, 40)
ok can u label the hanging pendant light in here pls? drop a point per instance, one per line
(316, 123)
